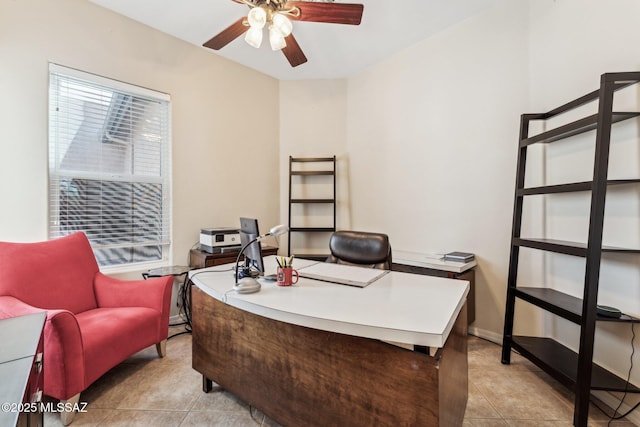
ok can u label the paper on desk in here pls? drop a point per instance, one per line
(342, 274)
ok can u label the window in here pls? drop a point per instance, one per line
(109, 166)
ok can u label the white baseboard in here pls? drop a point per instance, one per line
(612, 401)
(487, 335)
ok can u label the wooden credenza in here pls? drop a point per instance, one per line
(202, 259)
(21, 370)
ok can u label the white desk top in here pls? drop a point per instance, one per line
(422, 260)
(401, 307)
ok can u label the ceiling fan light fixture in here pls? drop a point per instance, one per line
(277, 16)
(254, 37)
(276, 38)
(257, 17)
(282, 23)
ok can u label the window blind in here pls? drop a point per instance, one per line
(109, 166)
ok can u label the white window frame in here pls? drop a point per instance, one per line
(164, 180)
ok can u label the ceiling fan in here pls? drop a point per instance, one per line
(276, 16)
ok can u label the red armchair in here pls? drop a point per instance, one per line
(93, 321)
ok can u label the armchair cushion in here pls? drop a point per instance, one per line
(93, 321)
(110, 335)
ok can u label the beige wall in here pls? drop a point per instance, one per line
(313, 123)
(426, 144)
(216, 129)
(431, 140)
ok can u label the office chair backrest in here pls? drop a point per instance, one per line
(360, 248)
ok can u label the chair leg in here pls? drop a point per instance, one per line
(67, 416)
(161, 347)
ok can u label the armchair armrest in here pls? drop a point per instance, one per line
(64, 355)
(63, 358)
(152, 293)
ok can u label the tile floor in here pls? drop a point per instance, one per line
(148, 391)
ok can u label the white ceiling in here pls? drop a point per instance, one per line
(333, 51)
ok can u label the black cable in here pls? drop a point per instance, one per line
(204, 271)
(626, 387)
(183, 307)
(185, 301)
(177, 334)
(619, 417)
(181, 302)
(628, 412)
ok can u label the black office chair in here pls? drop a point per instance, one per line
(360, 248)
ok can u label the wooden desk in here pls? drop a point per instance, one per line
(411, 262)
(313, 354)
(202, 259)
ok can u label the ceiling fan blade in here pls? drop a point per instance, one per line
(333, 13)
(293, 52)
(228, 35)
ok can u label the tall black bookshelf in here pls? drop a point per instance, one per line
(575, 370)
(323, 168)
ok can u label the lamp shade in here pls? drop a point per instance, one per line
(254, 37)
(282, 23)
(279, 230)
(276, 39)
(257, 17)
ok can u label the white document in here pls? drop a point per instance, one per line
(343, 274)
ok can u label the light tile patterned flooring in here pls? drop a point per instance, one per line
(148, 391)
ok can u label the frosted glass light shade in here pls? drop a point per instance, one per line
(254, 37)
(279, 230)
(283, 24)
(276, 39)
(257, 17)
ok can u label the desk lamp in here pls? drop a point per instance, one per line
(249, 285)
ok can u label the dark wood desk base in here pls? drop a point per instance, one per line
(303, 376)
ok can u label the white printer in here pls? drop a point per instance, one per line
(221, 239)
